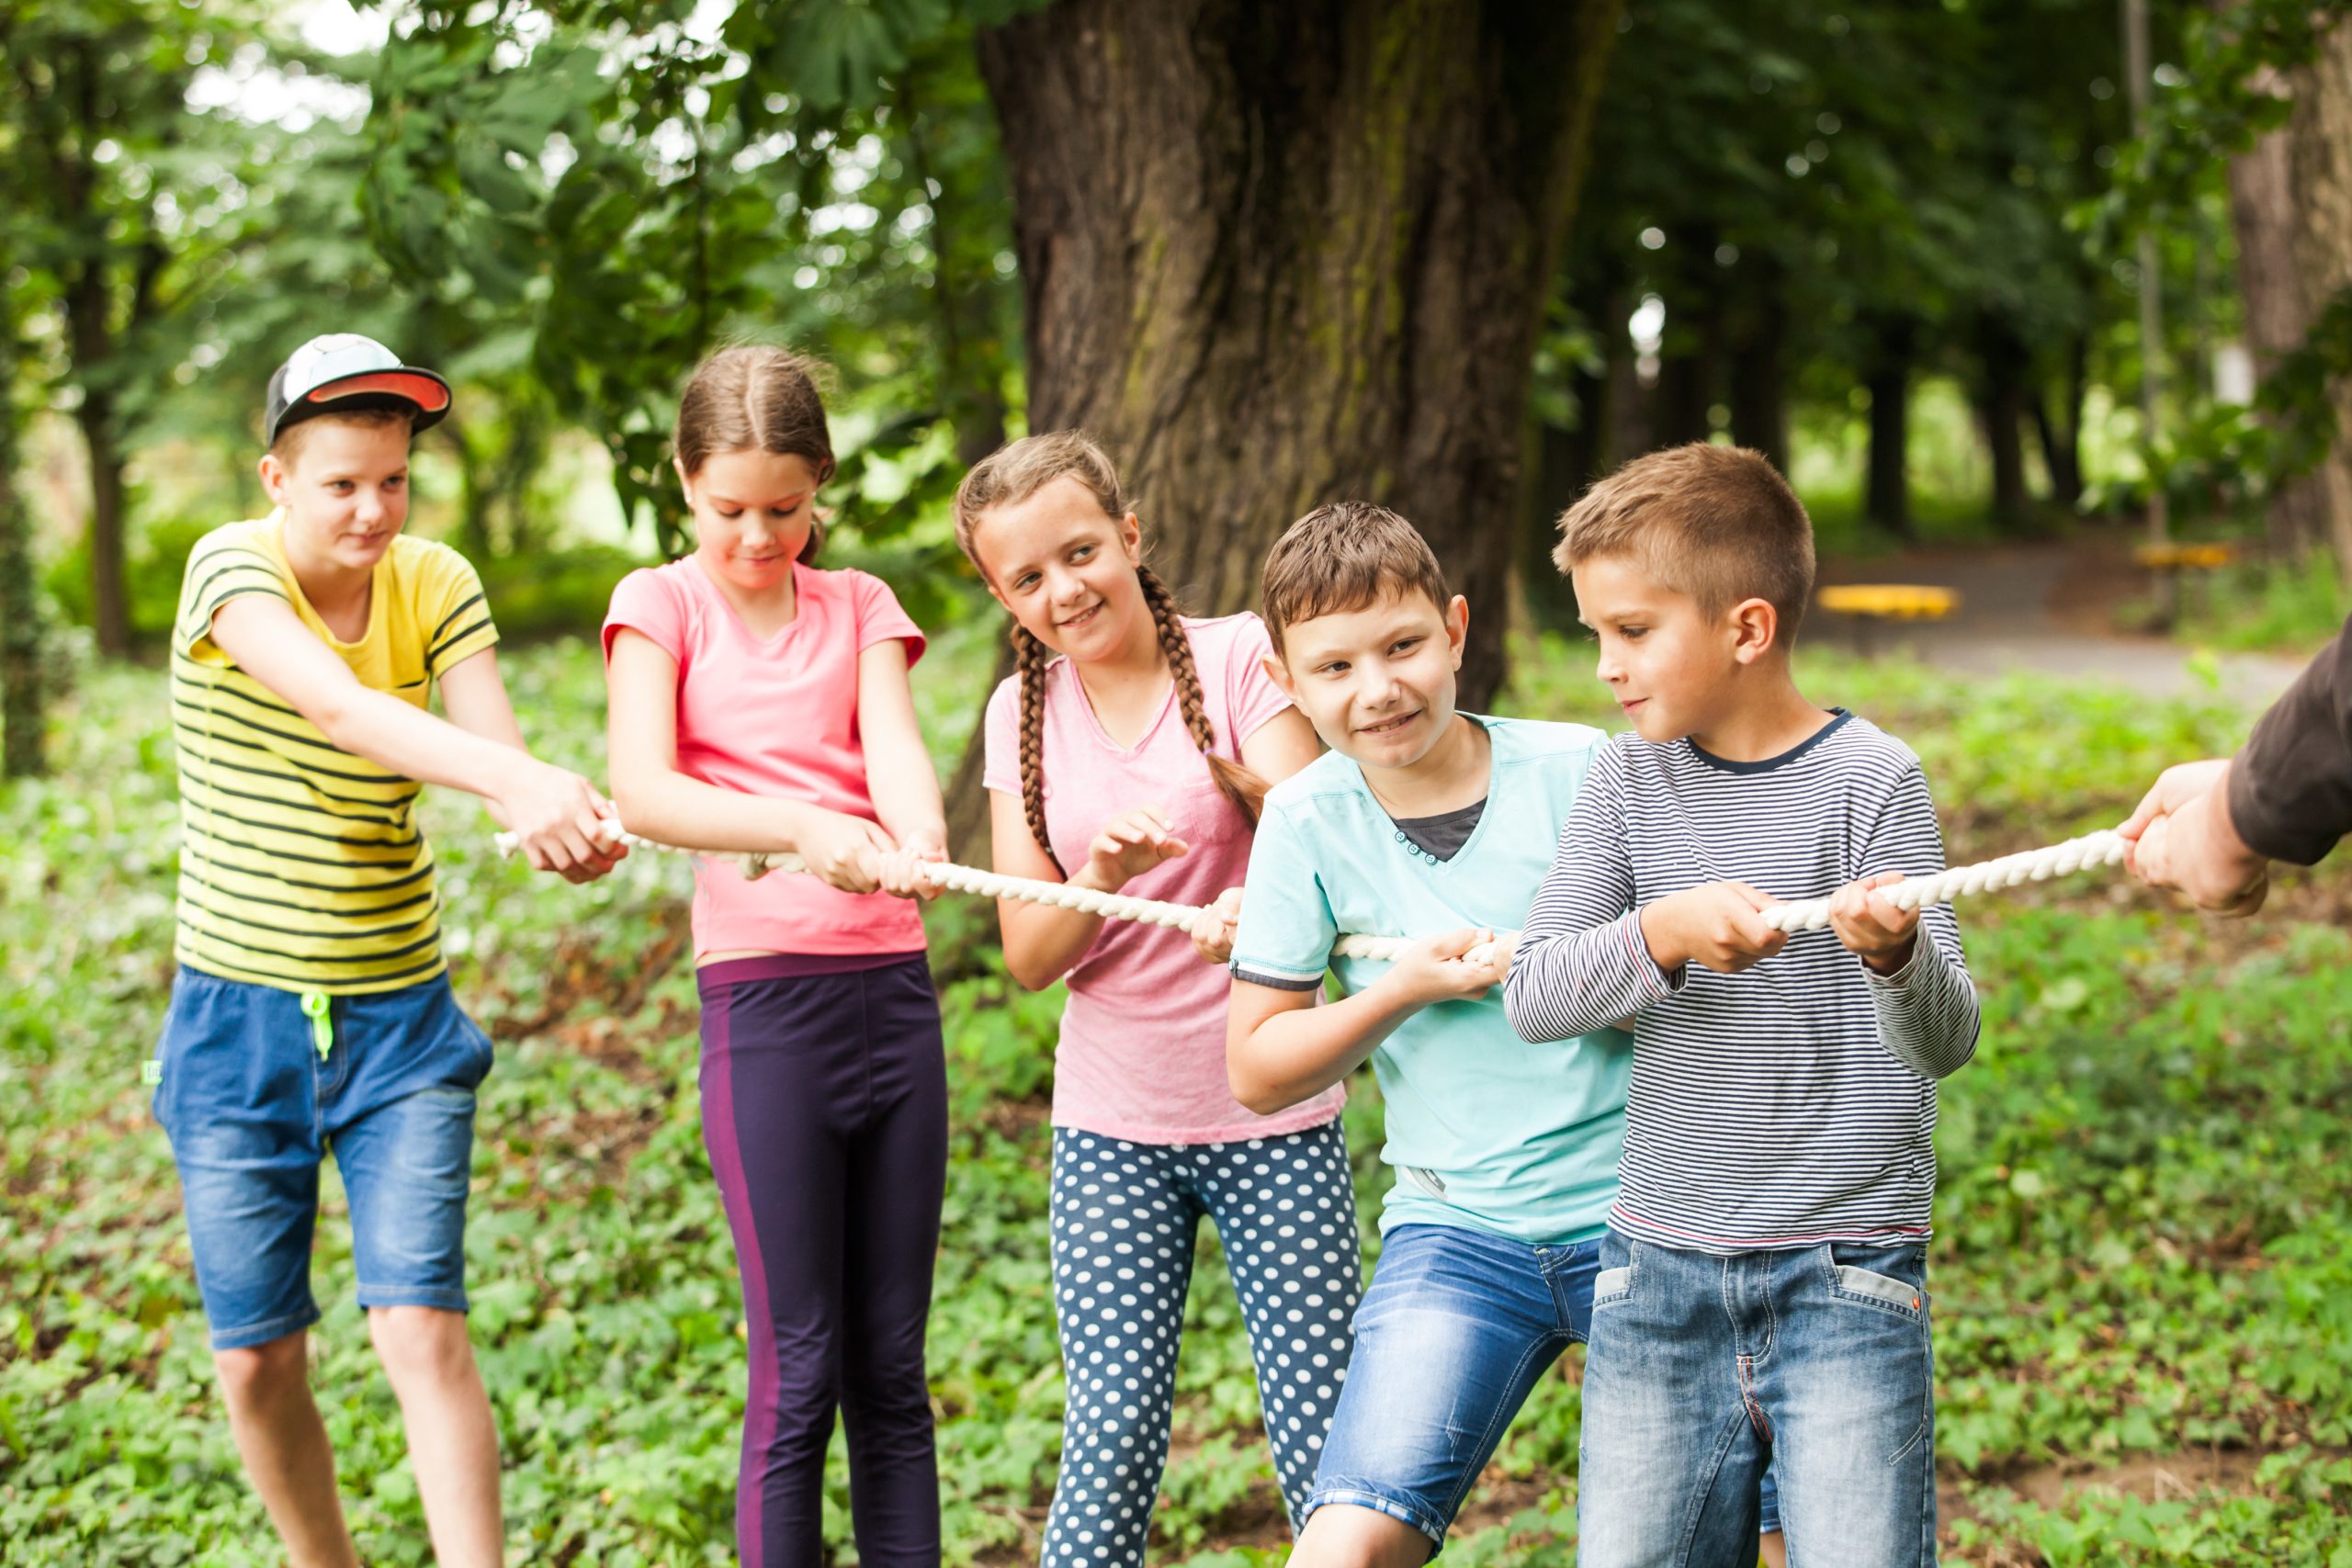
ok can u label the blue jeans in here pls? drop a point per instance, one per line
(1705, 1369)
(1457, 1327)
(252, 1102)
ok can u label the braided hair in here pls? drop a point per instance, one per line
(1012, 475)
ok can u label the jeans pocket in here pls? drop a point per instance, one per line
(1868, 1288)
(1612, 1285)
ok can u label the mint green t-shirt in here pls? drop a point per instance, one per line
(1485, 1130)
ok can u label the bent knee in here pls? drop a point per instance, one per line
(256, 1371)
(420, 1342)
(1346, 1535)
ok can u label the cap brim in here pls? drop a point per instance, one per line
(427, 392)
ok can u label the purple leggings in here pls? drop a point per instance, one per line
(824, 1108)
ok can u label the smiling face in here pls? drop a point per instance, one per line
(1670, 665)
(753, 514)
(1065, 569)
(344, 488)
(1377, 682)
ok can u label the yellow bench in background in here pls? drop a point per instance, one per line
(1871, 602)
(2174, 562)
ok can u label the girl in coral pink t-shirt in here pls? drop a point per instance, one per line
(1128, 755)
(759, 703)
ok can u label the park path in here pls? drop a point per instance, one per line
(2046, 606)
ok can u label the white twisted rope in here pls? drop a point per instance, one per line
(2091, 851)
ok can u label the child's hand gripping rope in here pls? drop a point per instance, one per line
(2090, 852)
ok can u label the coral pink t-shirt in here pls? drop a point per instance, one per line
(774, 717)
(1142, 1052)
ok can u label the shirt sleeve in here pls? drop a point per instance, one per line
(1001, 737)
(1928, 1014)
(2291, 788)
(880, 617)
(644, 603)
(1286, 932)
(1252, 698)
(457, 612)
(1581, 964)
(221, 567)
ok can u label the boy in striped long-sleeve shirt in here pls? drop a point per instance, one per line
(1762, 1298)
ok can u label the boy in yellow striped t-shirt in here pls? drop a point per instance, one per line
(311, 1007)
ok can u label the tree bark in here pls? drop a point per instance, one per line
(2320, 169)
(1274, 256)
(109, 600)
(1886, 499)
(2278, 313)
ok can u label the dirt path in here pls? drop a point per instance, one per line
(2047, 607)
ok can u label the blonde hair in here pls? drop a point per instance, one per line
(755, 398)
(1717, 523)
(1344, 557)
(1012, 475)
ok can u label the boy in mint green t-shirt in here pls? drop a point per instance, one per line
(1422, 819)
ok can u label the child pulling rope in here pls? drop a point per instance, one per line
(2091, 851)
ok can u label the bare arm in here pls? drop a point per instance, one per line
(554, 812)
(662, 803)
(899, 774)
(1281, 1049)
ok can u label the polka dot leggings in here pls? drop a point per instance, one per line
(1125, 1215)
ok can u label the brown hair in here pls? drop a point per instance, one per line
(1012, 475)
(1717, 523)
(1343, 557)
(292, 439)
(756, 396)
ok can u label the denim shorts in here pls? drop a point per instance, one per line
(1705, 1369)
(256, 1084)
(1450, 1340)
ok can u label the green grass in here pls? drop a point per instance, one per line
(2142, 1221)
(2282, 606)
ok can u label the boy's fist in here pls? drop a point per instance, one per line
(1873, 925)
(1455, 967)
(1718, 926)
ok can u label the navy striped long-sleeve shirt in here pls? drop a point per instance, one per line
(1792, 1104)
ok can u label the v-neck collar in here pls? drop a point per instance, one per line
(1094, 720)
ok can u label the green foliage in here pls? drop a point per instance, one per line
(2142, 1220)
(2292, 606)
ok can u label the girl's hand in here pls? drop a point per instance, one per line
(843, 852)
(1212, 929)
(1129, 845)
(897, 870)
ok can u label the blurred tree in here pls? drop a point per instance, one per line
(114, 191)
(21, 749)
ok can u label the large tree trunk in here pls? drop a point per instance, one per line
(2270, 285)
(2060, 427)
(2002, 406)
(1277, 256)
(2321, 173)
(20, 690)
(109, 600)
(1886, 496)
(1760, 415)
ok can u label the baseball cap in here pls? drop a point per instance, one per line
(344, 370)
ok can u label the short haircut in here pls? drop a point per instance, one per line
(1716, 523)
(1344, 557)
(292, 439)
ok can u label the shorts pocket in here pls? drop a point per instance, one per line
(1867, 1288)
(1612, 1285)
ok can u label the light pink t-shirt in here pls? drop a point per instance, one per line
(774, 717)
(1142, 1052)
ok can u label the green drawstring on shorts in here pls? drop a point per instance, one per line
(314, 1008)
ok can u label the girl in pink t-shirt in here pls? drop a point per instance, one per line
(1129, 754)
(759, 703)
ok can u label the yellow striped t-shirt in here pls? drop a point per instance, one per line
(302, 866)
